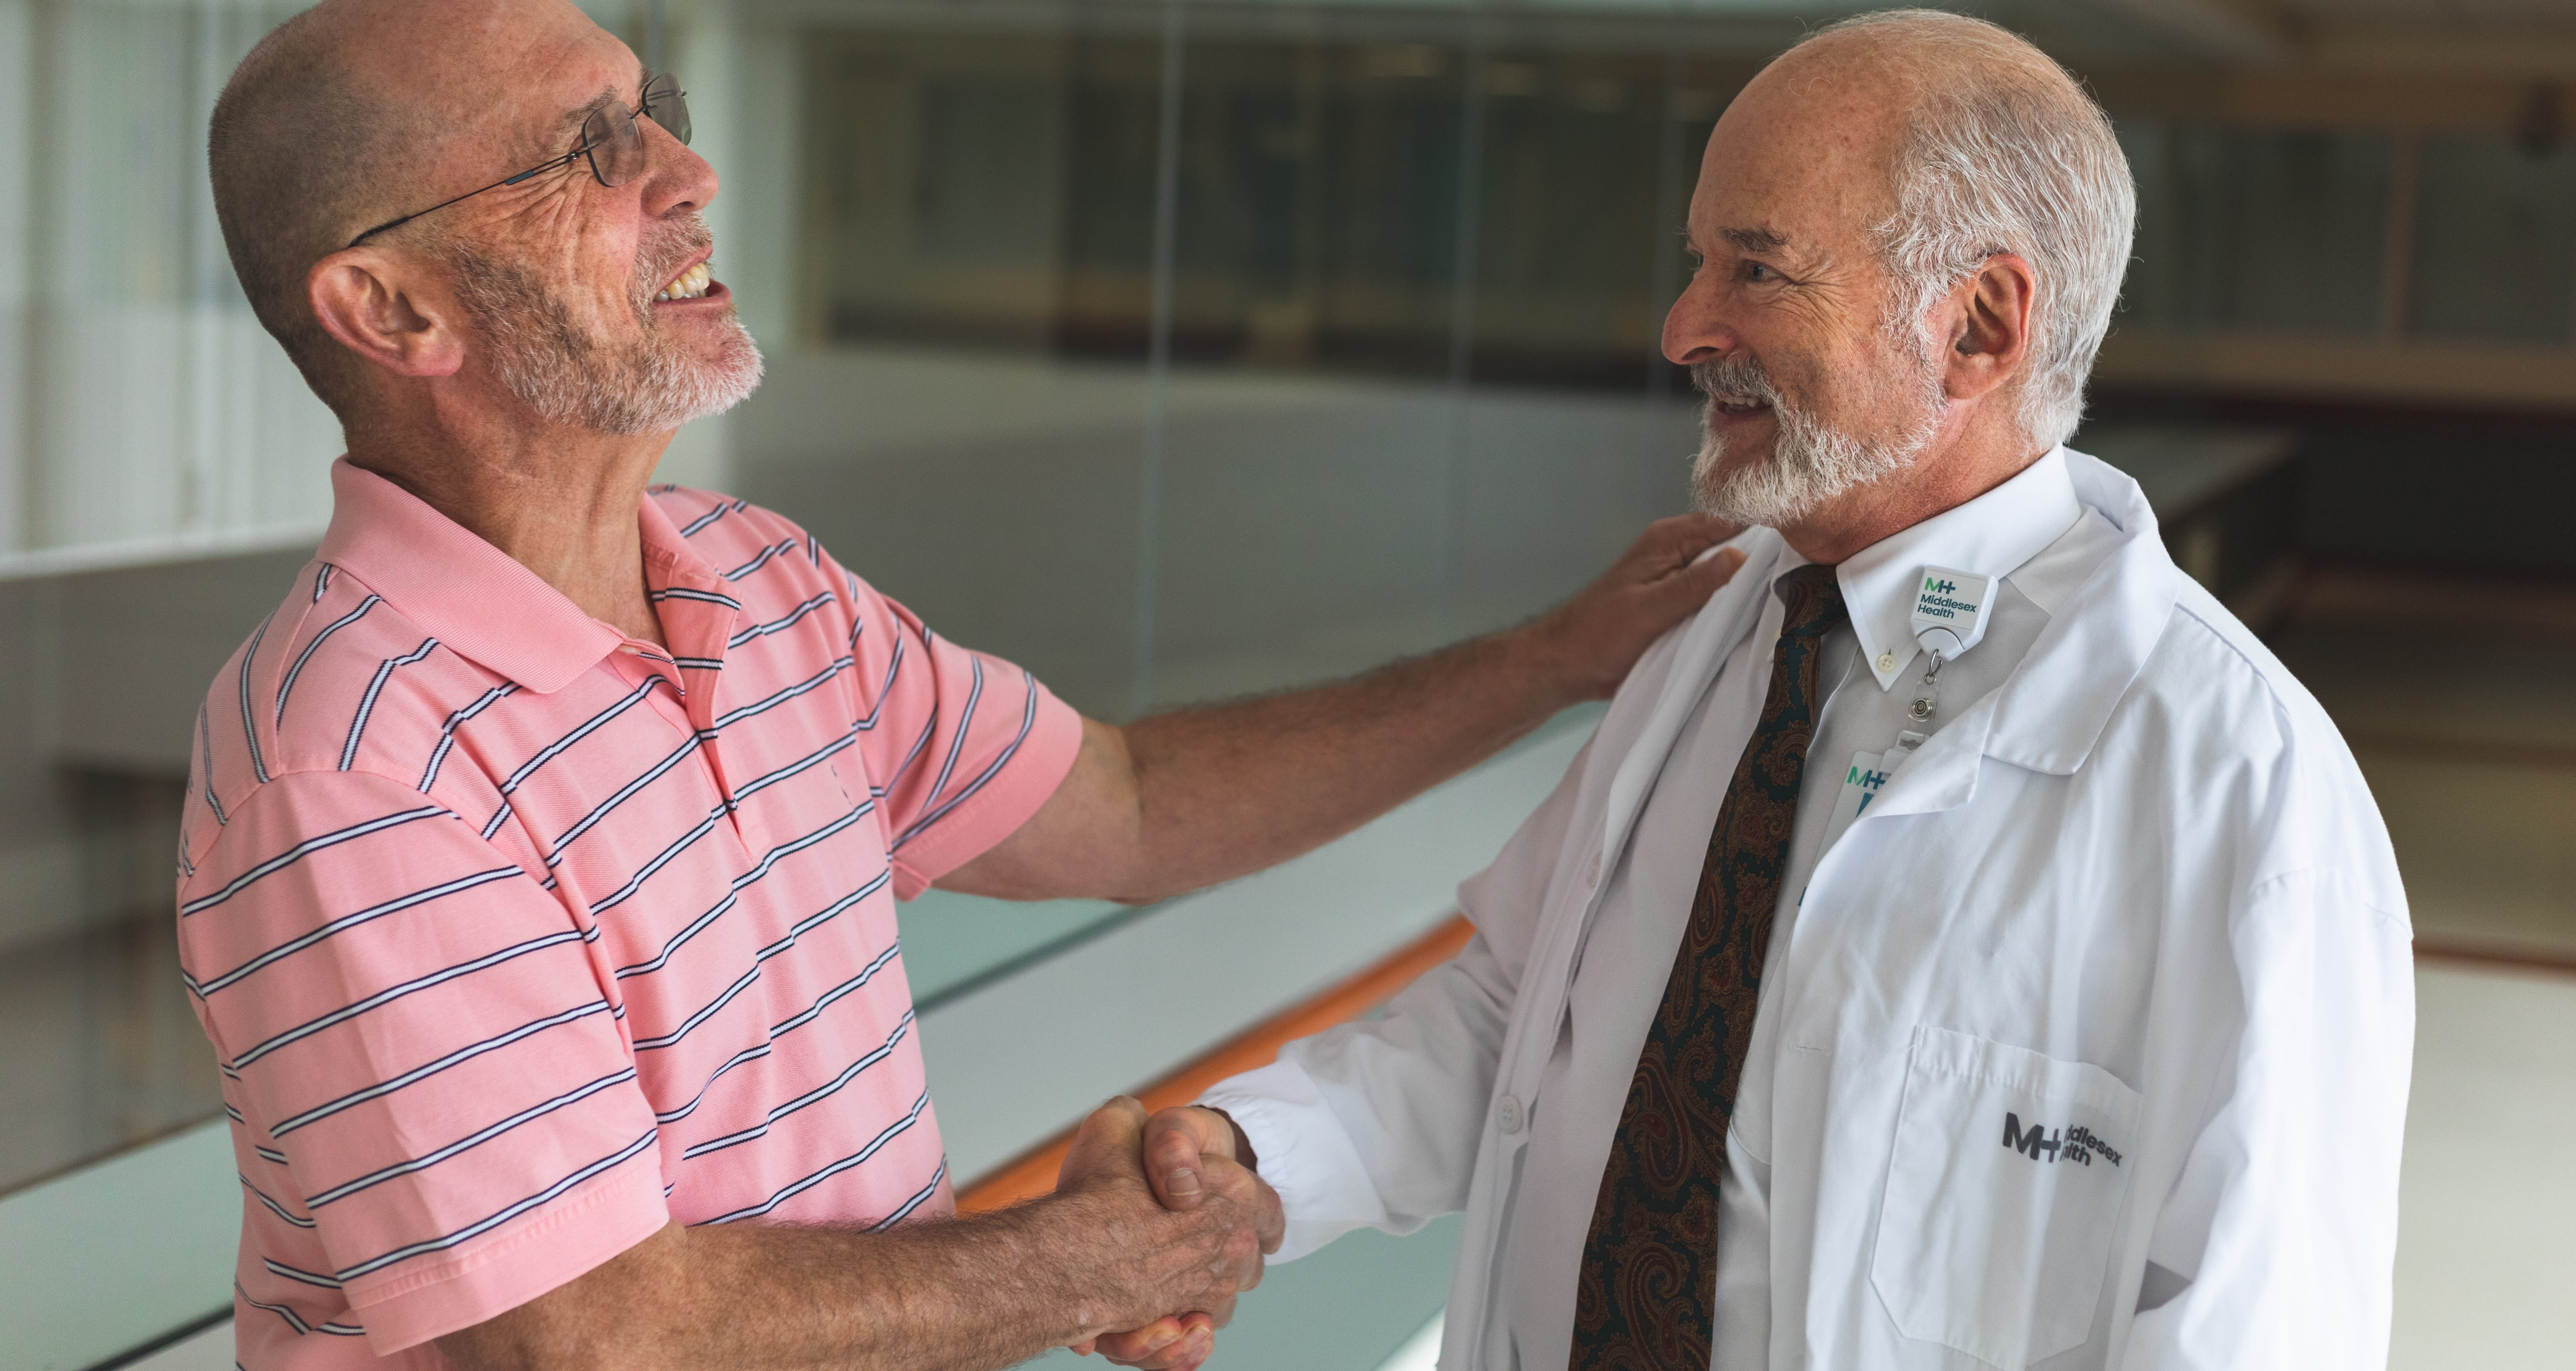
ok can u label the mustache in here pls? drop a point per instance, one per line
(1734, 379)
(658, 257)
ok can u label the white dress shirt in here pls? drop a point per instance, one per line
(2132, 870)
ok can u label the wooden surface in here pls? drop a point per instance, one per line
(1032, 1173)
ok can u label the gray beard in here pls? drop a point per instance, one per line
(544, 358)
(1811, 461)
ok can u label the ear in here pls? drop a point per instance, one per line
(1989, 326)
(382, 305)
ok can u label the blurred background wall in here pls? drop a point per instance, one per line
(1180, 350)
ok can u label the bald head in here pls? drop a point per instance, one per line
(344, 117)
(1962, 142)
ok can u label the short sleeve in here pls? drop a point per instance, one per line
(426, 1068)
(960, 746)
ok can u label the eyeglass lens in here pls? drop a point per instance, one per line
(615, 145)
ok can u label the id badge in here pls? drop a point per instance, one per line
(1862, 780)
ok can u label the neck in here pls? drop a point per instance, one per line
(1954, 469)
(561, 502)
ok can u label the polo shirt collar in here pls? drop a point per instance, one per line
(1991, 535)
(469, 595)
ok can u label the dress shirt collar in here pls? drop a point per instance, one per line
(473, 597)
(1991, 535)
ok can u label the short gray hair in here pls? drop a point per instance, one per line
(2004, 152)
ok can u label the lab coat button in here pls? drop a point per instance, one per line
(1507, 1115)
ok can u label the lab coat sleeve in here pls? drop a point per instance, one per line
(1376, 1123)
(2284, 1220)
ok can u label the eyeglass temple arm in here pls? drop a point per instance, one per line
(564, 160)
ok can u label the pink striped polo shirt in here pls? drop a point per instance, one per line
(518, 939)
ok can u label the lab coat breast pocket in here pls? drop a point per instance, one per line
(2004, 1188)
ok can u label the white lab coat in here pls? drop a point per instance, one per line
(2114, 972)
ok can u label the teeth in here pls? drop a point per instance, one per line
(692, 284)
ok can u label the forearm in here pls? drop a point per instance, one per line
(988, 1291)
(1191, 798)
(1234, 788)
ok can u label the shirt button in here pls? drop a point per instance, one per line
(1887, 661)
(1592, 873)
(1507, 1115)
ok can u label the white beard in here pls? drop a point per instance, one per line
(651, 385)
(1811, 461)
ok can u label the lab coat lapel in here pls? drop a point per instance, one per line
(1729, 615)
(1572, 901)
(2048, 716)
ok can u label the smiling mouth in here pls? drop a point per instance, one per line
(689, 285)
(1738, 407)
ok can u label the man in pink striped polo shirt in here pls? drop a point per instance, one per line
(539, 870)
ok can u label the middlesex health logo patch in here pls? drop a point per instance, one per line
(1949, 598)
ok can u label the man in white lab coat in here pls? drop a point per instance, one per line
(1962, 945)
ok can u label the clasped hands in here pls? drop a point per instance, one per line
(1184, 1224)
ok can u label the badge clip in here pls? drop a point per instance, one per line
(1950, 611)
(1949, 618)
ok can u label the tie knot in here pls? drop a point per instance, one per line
(1813, 599)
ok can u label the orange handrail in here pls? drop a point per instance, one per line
(1032, 1173)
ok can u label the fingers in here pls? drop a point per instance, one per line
(1258, 1200)
(1667, 545)
(1702, 578)
(1175, 1140)
(1110, 1139)
(1170, 1343)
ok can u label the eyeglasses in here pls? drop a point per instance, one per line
(609, 139)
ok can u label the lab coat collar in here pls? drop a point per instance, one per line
(2044, 718)
(2048, 714)
(1991, 535)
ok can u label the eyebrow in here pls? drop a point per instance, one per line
(574, 118)
(1755, 239)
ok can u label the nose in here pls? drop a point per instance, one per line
(677, 180)
(1695, 329)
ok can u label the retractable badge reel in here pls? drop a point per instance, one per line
(1949, 618)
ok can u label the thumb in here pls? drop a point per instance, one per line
(1175, 1141)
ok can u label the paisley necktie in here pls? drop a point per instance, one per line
(1647, 1291)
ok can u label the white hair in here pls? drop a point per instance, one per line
(2004, 153)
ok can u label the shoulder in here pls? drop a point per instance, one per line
(337, 678)
(2244, 739)
(2209, 666)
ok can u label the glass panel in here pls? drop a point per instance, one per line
(107, 1052)
(967, 374)
(1308, 429)
(147, 416)
(1577, 435)
(2281, 231)
(2495, 241)
(1567, 244)
(156, 410)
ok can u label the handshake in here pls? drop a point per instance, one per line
(1178, 1223)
